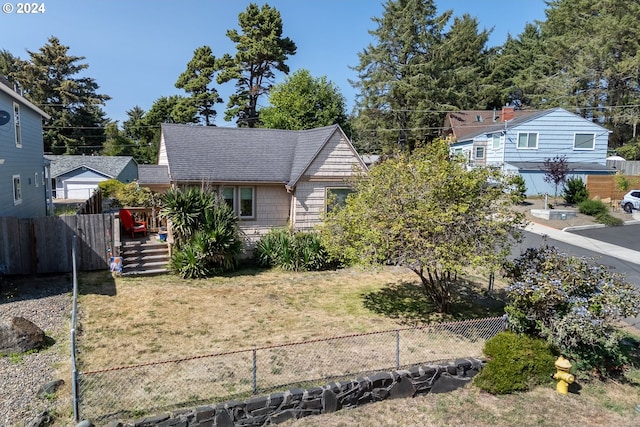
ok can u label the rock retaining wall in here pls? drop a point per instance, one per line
(296, 403)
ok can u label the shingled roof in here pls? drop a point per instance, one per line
(220, 154)
(465, 125)
(110, 166)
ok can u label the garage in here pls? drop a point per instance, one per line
(79, 189)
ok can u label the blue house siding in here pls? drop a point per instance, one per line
(25, 161)
(556, 132)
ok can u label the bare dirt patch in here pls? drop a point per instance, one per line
(579, 220)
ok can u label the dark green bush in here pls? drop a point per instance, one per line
(292, 251)
(518, 189)
(593, 207)
(609, 220)
(575, 191)
(515, 363)
(207, 236)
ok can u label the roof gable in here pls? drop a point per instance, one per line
(110, 166)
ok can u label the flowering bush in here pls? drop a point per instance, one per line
(573, 304)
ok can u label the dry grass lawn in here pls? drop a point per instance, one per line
(135, 320)
(126, 321)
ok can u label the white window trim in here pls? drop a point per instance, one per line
(475, 152)
(17, 125)
(584, 133)
(253, 202)
(16, 201)
(527, 148)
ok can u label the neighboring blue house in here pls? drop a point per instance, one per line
(24, 191)
(520, 141)
(77, 177)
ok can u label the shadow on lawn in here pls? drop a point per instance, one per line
(408, 302)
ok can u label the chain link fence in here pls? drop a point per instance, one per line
(142, 389)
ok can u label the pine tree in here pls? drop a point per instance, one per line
(195, 81)
(261, 51)
(49, 80)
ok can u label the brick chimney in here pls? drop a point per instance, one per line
(507, 113)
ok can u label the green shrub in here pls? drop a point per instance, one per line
(292, 251)
(515, 363)
(208, 240)
(593, 207)
(575, 191)
(518, 189)
(609, 220)
(110, 187)
(573, 304)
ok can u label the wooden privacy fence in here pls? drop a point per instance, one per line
(43, 245)
(604, 186)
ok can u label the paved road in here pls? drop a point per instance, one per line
(629, 269)
(627, 236)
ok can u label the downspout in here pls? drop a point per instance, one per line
(48, 189)
(292, 207)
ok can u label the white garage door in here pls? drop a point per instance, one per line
(79, 189)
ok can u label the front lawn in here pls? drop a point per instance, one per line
(164, 317)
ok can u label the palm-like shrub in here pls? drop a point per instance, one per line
(292, 251)
(208, 240)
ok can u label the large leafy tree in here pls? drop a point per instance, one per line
(398, 77)
(428, 213)
(304, 102)
(49, 80)
(196, 81)
(261, 51)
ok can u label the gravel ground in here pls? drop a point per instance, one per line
(45, 301)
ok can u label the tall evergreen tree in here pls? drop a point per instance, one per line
(398, 77)
(195, 81)
(49, 80)
(595, 47)
(261, 51)
(464, 57)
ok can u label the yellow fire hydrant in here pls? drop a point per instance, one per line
(563, 376)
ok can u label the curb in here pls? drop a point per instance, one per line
(587, 227)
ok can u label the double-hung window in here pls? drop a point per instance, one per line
(247, 202)
(17, 190)
(16, 122)
(584, 141)
(528, 140)
(495, 141)
(479, 153)
(229, 196)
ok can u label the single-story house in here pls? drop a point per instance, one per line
(520, 141)
(77, 177)
(271, 177)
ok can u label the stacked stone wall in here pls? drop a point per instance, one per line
(296, 403)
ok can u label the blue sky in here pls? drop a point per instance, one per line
(136, 49)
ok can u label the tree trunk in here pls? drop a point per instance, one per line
(436, 287)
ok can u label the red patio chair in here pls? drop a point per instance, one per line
(130, 225)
